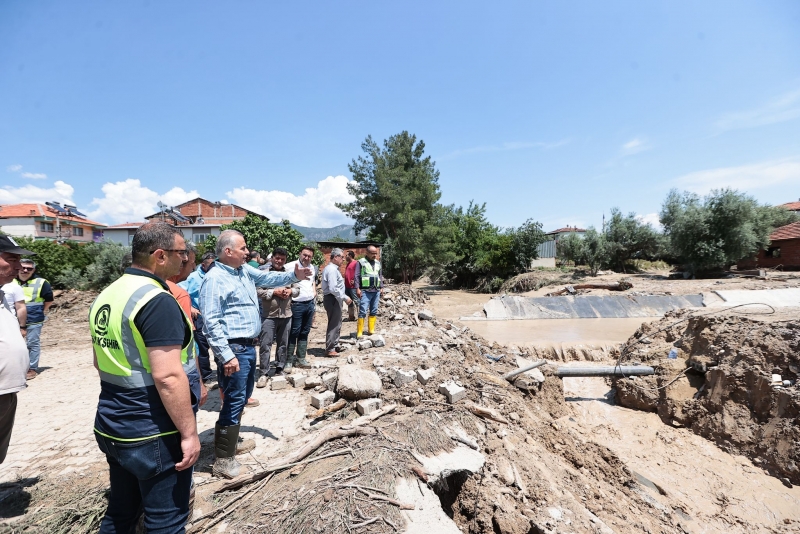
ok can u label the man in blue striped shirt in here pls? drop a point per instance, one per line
(231, 323)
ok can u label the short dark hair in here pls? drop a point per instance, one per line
(208, 256)
(280, 251)
(351, 254)
(150, 237)
(371, 246)
(308, 247)
(254, 254)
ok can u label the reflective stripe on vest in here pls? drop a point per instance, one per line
(370, 278)
(33, 292)
(121, 354)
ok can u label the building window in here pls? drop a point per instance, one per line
(199, 238)
(46, 227)
(774, 252)
(77, 232)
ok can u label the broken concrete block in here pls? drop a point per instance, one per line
(452, 391)
(402, 377)
(377, 341)
(321, 400)
(278, 382)
(424, 375)
(312, 382)
(329, 380)
(364, 344)
(367, 406)
(397, 317)
(535, 374)
(355, 383)
(297, 380)
(425, 315)
(435, 350)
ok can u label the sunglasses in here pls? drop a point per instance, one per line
(26, 268)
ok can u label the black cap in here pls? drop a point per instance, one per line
(7, 244)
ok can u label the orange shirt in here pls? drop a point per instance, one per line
(183, 299)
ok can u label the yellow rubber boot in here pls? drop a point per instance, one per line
(360, 327)
(372, 325)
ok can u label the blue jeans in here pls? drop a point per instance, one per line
(369, 301)
(302, 318)
(203, 358)
(143, 475)
(238, 387)
(34, 346)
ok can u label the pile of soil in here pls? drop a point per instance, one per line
(724, 388)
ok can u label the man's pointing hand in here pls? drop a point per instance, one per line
(302, 273)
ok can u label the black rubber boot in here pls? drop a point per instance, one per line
(225, 441)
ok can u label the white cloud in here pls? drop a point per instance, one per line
(34, 175)
(781, 109)
(14, 168)
(129, 201)
(745, 177)
(651, 219)
(316, 207)
(505, 147)
(60, 192)
(634, 146)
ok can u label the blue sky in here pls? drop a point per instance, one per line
(555, 111)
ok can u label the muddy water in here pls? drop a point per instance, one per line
(597, 333)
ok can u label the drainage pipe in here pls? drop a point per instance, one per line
(512, 374)
(608, 370)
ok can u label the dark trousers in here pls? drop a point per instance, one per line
(302, 318)
(333, 307)
(8, 407)
(203, 358)
(353, 307)
(277, 330)
(143, 474)
(238, 387)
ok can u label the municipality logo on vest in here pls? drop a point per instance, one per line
(101, 319)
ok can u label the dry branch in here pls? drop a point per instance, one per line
(486, 413)
(401, 505)
(335, 407)
(616, 286)
(360, 421)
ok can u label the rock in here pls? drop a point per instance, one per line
(312, 382)
(367, 406)
(378, 362)
(425, 315)
(377, 341)
(504, 471)
(526, 383)
(435, 350)
(536, 374)
(402, 377)
(398, 317)
(452, 391)
(278, 382)
(363, 344)
(321, 400)
(329, 380)
(424, 375)
(297, 380)
(355, 383)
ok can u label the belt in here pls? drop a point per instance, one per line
(247, 341)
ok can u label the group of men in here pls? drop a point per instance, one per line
(153, 331)
(30, 297)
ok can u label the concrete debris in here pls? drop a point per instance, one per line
(329, 380)
(367, 406)
(278, 383)
(355, 383)
(377, 341)
(321, 400)
(364, 344)
(312, 382)
(297, 380)
(425, 315)
(402, 377)
(398, 317)
(452, 391)
(424, 375)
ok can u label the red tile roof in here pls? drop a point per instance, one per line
(793, 206)
(790, 231)
(37, 210)
(567, 229)
(127, 225)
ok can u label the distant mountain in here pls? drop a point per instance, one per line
(343, 231)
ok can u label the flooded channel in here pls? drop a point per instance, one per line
(597, 333)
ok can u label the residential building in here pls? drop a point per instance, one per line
(783, 251)
(792, 206)
(359, 248)
(198, 218)
(42, 221)
(547, 251)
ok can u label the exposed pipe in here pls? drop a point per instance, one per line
(512, 374)
(605, 370)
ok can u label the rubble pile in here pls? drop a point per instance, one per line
(729, 378)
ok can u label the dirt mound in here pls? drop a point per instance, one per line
(720, 383)
(534, 280)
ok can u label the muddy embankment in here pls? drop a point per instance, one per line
(733, 381)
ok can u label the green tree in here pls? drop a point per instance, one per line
(629, 238)
(52, 258)
(595, 250)
(396, 190)
(719, 230)
(525, 246)
(263, 236)
(570, 248)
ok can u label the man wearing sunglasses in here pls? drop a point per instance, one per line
(38, 299)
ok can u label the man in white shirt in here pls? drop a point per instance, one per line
(333, 296)
(14, 299)
(14, 362)
(303, 309)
